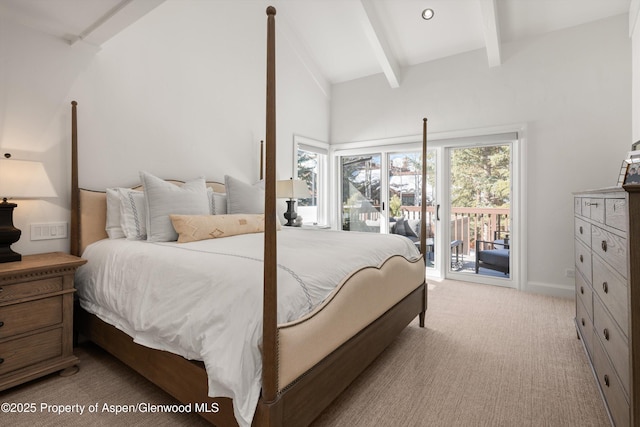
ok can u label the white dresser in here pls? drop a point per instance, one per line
(607, 259)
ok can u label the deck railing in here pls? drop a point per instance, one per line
(467, 224)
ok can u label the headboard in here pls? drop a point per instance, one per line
(92, 213)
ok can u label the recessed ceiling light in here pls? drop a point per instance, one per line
(427, 14)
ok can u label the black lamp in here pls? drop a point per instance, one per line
(291, 189)
(18, 179)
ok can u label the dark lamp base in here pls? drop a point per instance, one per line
(8, 233)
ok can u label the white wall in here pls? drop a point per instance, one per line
(180, 93)
(634, 26)
(572, 90)
(36, 73)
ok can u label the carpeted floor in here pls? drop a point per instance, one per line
(489, 356)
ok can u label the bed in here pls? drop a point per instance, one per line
(357, 314)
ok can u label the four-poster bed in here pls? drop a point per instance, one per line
(305, 362)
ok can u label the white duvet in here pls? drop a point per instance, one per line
(203, 300)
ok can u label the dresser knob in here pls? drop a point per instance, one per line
(581, 291)
(1, 360)
(581, 230)
(1, 324)
(606, 380)
(605, 287)
(582, 321)
(581, 258)
(606, 334)
(1, 290)
(604, 245)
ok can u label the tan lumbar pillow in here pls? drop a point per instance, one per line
(191, 228)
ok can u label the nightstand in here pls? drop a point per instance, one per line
(36, 317)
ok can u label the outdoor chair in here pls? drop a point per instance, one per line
(493, 255)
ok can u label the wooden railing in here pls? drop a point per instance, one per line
(467, 224)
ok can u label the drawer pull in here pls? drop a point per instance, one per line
(605, 287)
(1, 360)
(582, 321)
(606, 380)
(581, 232)
(604, 245)
(1, 290)
(592, 204)
(1, 324)
(581, 291)
(606, 334)
(581, 258)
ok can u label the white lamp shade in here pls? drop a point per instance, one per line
(23, 179)
(292, 189)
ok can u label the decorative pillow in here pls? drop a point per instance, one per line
(192, 228)
(114, 228)
(133, 216)
(163, 198)
(400, 227)
(218, 203)
(243, 198)
(412, 228)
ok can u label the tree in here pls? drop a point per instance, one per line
(481, 177)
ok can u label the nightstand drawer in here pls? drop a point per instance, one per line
(28, 316)
(27, 289)
(26, 351)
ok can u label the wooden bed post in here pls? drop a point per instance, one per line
(423, 206)
(423, 218)
(270, 303)
(74, 232)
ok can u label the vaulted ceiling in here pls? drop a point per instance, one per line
(341, 40)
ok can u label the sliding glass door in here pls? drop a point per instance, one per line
(361, 193)
(405, 197)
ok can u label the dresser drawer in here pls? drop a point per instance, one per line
(577, 205)
(613, 292)
(28, 316)
(613, 342)
(616, 213)
(594, 209)
(585, 325)
(27, 289)
(610, 247)
(583, 231)
(584, 293)
(583, 260)
(610, 386)
(18, 353)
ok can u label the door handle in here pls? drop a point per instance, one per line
(437, 212)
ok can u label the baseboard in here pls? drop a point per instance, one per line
(551, 289)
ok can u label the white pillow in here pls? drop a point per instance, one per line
(133, 216)
(243, 198)
(249, 199)
(217, 202)
(114, 227)
(163, 198)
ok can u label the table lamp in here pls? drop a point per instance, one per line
(291, 189)
(19, 179)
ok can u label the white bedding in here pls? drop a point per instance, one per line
(203, 300)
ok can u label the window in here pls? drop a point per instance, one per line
(311, 166)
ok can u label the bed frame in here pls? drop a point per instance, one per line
(289, 397)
